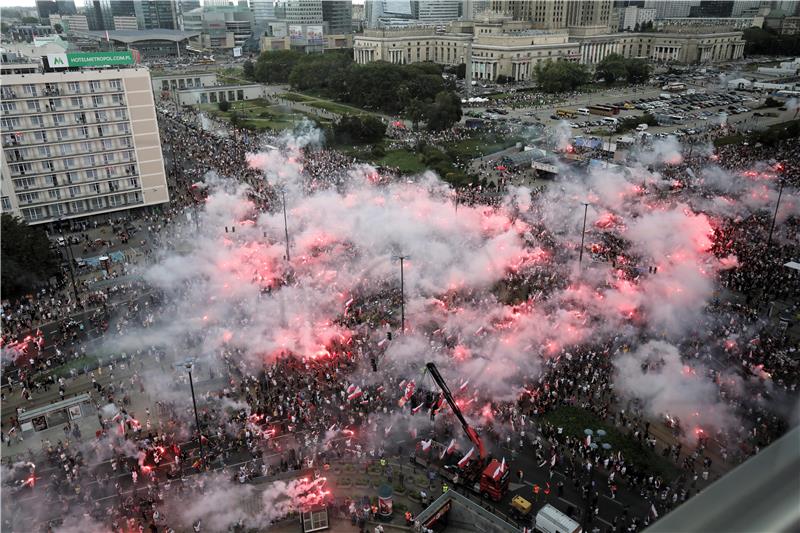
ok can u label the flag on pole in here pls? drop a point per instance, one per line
(499, 469)
(107, 37)
(464, 460)
(450, 448)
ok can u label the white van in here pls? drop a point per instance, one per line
(583, 111)
(551, 520)
(610, 121)
(642, 127)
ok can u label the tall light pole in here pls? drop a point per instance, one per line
(285, 223)
(583, 233)
(402, 258)
(71, 261)
(775, 215)
(188, 365)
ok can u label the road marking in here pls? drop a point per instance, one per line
(575, 505)
(612, 500)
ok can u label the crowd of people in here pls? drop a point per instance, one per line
(299, 413)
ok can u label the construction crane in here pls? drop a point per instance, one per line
(490, 478)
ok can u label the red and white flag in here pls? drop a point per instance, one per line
(416, 409)
(499, 470)
(463, 386)
(450, 448)
(356, 393)
(426, 445)
(410, 386)
(464, 460)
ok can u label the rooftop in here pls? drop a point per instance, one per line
(134, 36)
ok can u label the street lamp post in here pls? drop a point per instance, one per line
(71, 261)
(583, 233)
(188, 364)
(402, 258)
(285, 224)
(775, 215)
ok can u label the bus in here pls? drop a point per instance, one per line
(603, 110)
(674, 87)
(565, 113)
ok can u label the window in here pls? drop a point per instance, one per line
(97, 203)
(74, 191)
(59, 119)
(97, 101)
(116, 99)
(28, 197)
(133, 182)
(24, 183)
(33, 105)
(124, 127)
(94, 86)
(119, 114)
(6, 203)
(57, 210)
(9, 106)
(76, 101)
(91, 174)
(70, 177)
(108, 158)
(22, 168)
(94, 188)
(89, 161)
(34, 213)
(77, 207)
(61, 135)
(100, 131)
(44, 151)
(48, 165)
(9, 123)
(83, 131)
(29, 90)
(65, 149)
(54, 194)
(100, 116)
(74, 86)
(86, 147)
(40, 135)
(55, 103)
(107, 144)
(69, 162)
(51, 180)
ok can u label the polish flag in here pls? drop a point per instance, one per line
(464, 460)
(408, 393)
(356, 393)
(426, 445)
(499, 470)
(347, 305)
(351, 389)
(416, 409)
(450, 448)
(463, 386)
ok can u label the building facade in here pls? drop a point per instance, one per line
(501, 47)
(339, 16)
(671, 8)
(126, 24)
(80, 143)
(156, 14)
(70, 23)
(634, 17)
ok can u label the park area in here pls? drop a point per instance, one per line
(260, 115)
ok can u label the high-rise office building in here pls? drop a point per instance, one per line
(263, 10)
(45, 8)
(712, 8)
(303, 11)
(435, 11)
(742, 8)
(154, 14)
(667, 9)
(339, 16)
(80, 143)
(556, 14)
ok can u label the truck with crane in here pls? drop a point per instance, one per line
(484, 475)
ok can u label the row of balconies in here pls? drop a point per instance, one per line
(10, 93)
(123, 159)
(13, 141)
(64, 108)
(33, 126)
(36, 157)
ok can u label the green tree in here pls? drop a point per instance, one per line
(637, 70)
(224, 105)
(30, 20)
(561, 76)
(58, 28)
(444, 112)
(28, 260)
(275, 67)
(352, 129)
(611, 68)
(249, 70)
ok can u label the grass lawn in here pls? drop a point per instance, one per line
(728, 139)
(479, 146)
(340, 109)
(295, 97)
(406, 160)
(260, 115)
(574, 420)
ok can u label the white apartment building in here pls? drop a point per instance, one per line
(636, 16)
(80, 143)
(126, 24)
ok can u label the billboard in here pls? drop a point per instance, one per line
(91, 59)
(295, 33)
(314, 34)
(237, 51)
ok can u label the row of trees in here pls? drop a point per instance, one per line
(767, 42)
(616, 67)
(417, 91)
(28, 260)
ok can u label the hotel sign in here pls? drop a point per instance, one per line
(91, 59)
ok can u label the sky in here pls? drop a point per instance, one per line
(79, 3)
